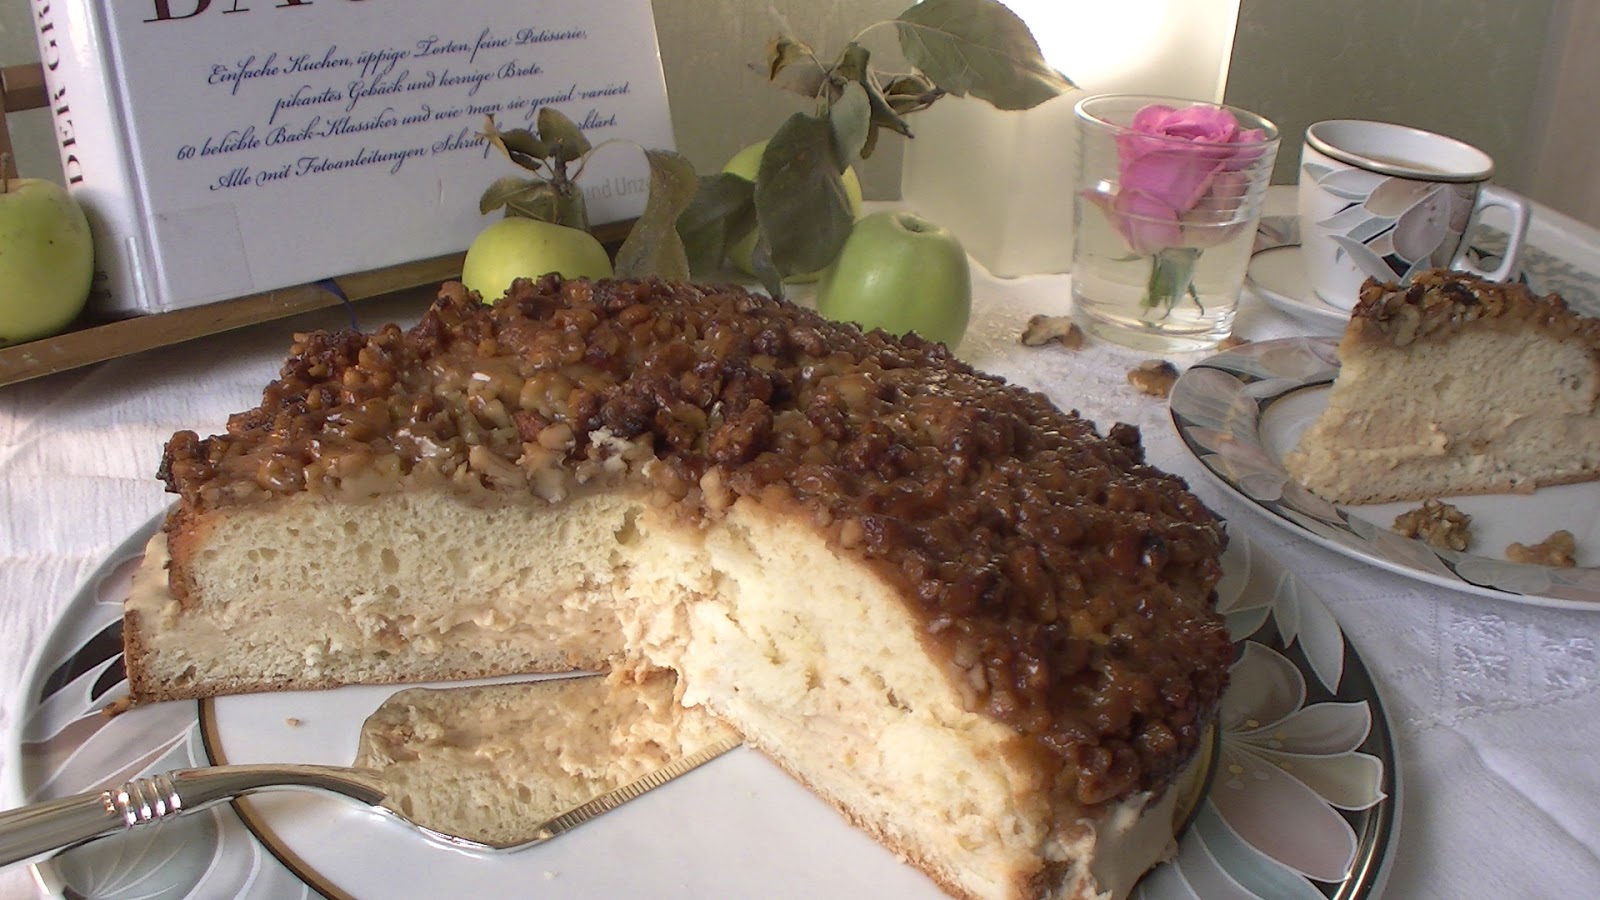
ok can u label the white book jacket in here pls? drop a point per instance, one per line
(228, 147)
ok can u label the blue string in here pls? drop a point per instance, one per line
(332, 287)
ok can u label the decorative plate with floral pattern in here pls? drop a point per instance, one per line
(1240, 411)
(1302, 803)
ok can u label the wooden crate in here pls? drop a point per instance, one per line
(90, 341)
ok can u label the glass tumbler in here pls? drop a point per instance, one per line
(1167, 198)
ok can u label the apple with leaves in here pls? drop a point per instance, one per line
(745, 164)
(547, 219)
(46, 259)
(800, 203)
(902, 273)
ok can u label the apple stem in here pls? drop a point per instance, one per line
(913, 224)
(5, 173)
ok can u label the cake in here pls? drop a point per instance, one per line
(1455, 385)
(494, 763)
(982, 630)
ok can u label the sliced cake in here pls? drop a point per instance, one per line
(1456, 385)
(981, 629)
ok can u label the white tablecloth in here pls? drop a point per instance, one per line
(1495, 705)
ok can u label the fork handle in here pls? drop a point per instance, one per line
(35, 829)
(153, 799)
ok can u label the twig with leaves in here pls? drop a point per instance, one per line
(797, 203)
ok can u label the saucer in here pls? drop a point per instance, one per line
(1278, 275)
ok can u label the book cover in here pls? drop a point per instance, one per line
(227, 147)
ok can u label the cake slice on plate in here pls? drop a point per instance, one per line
(1455, 385)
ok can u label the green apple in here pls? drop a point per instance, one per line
(518, 247)
(46, 259)
(745, 164)
(901, 273)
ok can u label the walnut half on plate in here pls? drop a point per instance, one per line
(1559, 550)
(1440, 524)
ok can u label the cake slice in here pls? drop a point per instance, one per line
(1456, 385)
(981, 629)
(493, 763)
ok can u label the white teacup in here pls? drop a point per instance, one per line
(1387, 201)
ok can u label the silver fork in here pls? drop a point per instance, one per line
(153, 799)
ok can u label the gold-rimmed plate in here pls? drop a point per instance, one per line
(736, 827)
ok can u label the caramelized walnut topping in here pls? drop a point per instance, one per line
(1154, 377)
(1440, 524)
(1067, 583)
(1042, 330)
(1439, 300)
(1559, 550)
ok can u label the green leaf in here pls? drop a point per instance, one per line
(850, 117)
(521, 140)
(766, 273)
(499, 139)
(802, 211)
(538, 202)
(784, 51)
(562, 135)
(505, 190)
(978, 47)
(653, 246)
(792, 66)
(571, 209)
(722, 212)
(907, 94)
(852, 64)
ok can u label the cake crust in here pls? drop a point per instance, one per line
(1438, 303)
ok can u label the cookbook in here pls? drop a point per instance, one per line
(229, 147)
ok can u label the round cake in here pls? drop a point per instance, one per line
(981, 629)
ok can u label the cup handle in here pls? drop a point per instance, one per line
(1491, 195)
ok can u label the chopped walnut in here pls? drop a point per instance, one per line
(1559, 549)
(1231, 341)
(1042, 330)
(1154, 377)
(1440, 524)
(1440, 301)
(292, 722)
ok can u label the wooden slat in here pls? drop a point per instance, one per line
(97, 343)
(22, 87)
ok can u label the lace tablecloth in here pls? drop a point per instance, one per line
(1495, 705)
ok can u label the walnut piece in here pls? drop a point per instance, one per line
(1154, 377)
(1230, 342)
(1438, 302)
(1440, 524)
(1559, 549)
(1042, 330)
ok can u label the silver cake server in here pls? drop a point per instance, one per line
(150, 800)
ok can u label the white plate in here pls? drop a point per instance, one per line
(1278, 276)
(736, 827)
(1239, 412)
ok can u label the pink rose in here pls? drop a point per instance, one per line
(1172, 163)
